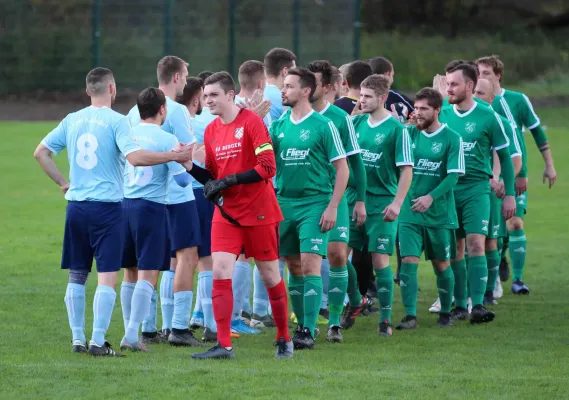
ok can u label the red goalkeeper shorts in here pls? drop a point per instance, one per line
(260, 242)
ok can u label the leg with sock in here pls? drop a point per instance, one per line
(409, 284)
(296, 293)
(127, 289)
(141, 299)
(445, 286)
(477, 278)
(384, 282)
(460, 283)
(312, 299)
(222, 299)
(167, 299)
(493, 264)
(103, 306)
(75, 303)
(149, 328)
(518, 243)
(246, 306)
(260, 295)
(325, 269)
(241, 283)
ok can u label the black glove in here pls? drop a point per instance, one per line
(213, 188)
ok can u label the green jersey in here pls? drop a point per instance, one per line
(385, 147)
(481, 129)
(304, 150)
(436, 154)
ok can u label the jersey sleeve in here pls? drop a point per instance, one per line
(181, 125)
(333, 143)
(174, 168)
(209, 154)
(530, 118)
(497, 131)
(123, 137)
(515, 148)
(352, 143)
(403, 151)
(455, 156)
(56, 140)
(258, 134)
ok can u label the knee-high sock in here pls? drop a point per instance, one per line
(198, 300)
(493, 264)
(477, 278)
(141, 299)
(518, 243)
(325, 273)
(445, 286)
(76, 303)
(149, 322)
(460, 282)
(312, 300)
(296, 293)
(409, 284)
(338, 286)
(103, 306)
(182, 309)
(206, 279)
(167, 298)
(222, 299)
(260, 295)
(127, 289)
(246, 306)
(240, 276)
(384, 282)
(279, 304)
(353, 289)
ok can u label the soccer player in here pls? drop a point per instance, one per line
(336, 265)
(335, 86)
(95, 138)
(309, 194)
(145, 213)
(239, 164)
(480, 129)
(176, 286)
(485, 91)
(277, 62)
(388, 159)
(396, 102)
(519, 111)
(428, 215)
(356, 72)
(344, 86)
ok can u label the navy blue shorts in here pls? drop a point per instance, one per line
(145, 232)
(93, 229)
(184, 225)
(205, 213)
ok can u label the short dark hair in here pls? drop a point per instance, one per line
(223, 79)
(469, 72)
(357, 72)
(250, 72)
(277, 59)
(168, 67)
(149, 102)
(380, 65)
(453, 64)
(378, 83)
(307, 79)
(336, 75)
(204, 75)
(434, 97)
(193, 87)
(97, 80)
(324, 67)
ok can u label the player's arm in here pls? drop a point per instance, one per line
(501, 144)
(182, 126)
(403, 160)
(53, 143)
(203, 175)
(357, 167)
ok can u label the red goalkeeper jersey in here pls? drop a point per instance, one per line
(235, 148)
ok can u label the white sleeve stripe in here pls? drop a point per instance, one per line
(337, 142)
(407, 147)
(131, 151)
(352, 133)
(351, 153)
(534, 125)
(497, 148)
(461, 162)
(532, 111)
(516, 141)
(399, 164)
(338, 158)
(179, 172)
(508, 111)
(502, 128)
(49, 147)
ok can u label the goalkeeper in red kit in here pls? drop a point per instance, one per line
(239, 165)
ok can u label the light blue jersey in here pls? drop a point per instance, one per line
(267, 120)
(151, 183)
(273, 94)
(177, 123)
(200, 122)
(95, 138)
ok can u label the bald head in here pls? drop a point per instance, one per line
(484, 90)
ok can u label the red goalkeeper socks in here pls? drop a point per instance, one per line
(222, 300)
(279, 304)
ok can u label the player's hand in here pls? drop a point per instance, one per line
(65, 187)
(182, 153)
(360, 214)
(412, 119)
(257, 98)
(422, 203)
(498, 188)
(213, 188)
(198, 153)
(357, 109)
(328, 218)
(521, 185)
(394, 112)
(509, 207)
(550, 174)
(391, 212)
(263, 108)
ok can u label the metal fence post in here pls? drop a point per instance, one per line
(357, 29)
(296, 28)
(96, 33)
(231, 37)
(168, 8)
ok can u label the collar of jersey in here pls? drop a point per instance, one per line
(430, 135)
(325, 108)
(503, 91)
(465, 113)
(98, 108)
(302, 119)
(379, 123)
(146, 124)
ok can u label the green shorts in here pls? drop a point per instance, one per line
(472, 208)
(300, 231)
(438, 244)
(521, 205)
(380, 235)
(497, 222)
(341, 231)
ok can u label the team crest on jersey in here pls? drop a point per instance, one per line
(304, 135)
(437, 147)
(470, 127)
(379, 138)
(238, 133)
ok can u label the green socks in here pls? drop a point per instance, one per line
(445, 285)
(409, 285)
(477, 278)
(384, 282)
(517, 253)
(296, 293)
(460, 282)
(493, 262)
(353, 290)
(312, 300)
(337, 287)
